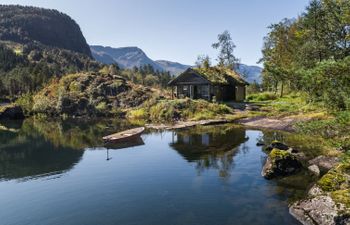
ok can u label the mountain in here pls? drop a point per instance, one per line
(250, 73)
(129, 57)
(172, 67)
(26, 25)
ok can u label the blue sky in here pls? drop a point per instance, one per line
(175, 30)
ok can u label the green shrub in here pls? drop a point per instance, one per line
(137, 114)
(26, 103)
(102, 106)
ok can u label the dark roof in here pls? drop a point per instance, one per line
(213, 75)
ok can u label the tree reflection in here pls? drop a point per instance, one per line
(212, 147)
(37, 147)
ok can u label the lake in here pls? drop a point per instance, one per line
(56, 172)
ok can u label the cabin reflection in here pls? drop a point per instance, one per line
(209, 147)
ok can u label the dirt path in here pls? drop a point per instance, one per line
(285, 123)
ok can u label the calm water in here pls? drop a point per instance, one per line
(60, 173)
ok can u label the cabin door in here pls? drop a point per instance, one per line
(195, 92)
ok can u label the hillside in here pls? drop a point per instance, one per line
(37, 44)
(88, 94)
(26, 25)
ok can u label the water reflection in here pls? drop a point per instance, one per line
(28, 157)
(212, 147)
(35, 147)
(159, 171)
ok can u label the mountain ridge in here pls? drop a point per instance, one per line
(133, 56)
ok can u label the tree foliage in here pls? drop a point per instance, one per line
(310, 53)
(226, 48)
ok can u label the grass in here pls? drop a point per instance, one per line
(259, 97)
(138, 114)
(179, 109)
(291, 104)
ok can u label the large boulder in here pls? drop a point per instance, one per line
(320, 210)
(11, 112)
(325, 163)
(280, 163)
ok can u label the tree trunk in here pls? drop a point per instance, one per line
(281, 90)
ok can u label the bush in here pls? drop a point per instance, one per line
(138, 114)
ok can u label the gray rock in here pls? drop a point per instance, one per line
(324, 162)
(315, 170)
(315, 191)
(319, 210)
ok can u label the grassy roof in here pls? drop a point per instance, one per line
(219, 75)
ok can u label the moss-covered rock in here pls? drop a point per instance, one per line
(332, 181)
(342, 196)
(328, 200)
(280, 163)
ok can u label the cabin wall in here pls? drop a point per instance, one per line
(240, 93)
(193, 91)
(208, 92)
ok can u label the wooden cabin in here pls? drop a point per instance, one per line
(209, 83)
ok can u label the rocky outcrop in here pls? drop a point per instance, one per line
(280, 163)
(11, 112)
(89, 94)
(328, 201)
(320, 210)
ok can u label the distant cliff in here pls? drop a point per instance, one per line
(37, 44)
(26, 25)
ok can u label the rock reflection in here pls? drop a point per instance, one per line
(212, 147)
